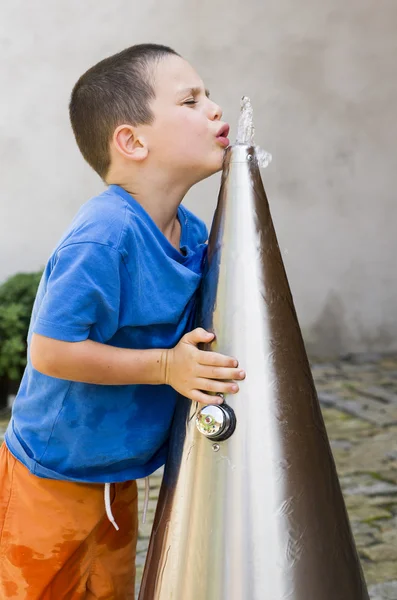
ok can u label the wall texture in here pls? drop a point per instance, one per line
(322, 77)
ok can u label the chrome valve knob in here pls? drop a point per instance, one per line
(216, 422)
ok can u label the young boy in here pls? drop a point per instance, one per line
(108, 348)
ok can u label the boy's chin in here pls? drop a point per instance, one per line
(211, 171)
(217, 164)
(210, 168)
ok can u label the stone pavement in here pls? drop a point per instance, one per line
(358, 395)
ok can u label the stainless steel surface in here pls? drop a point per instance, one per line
(259, 516)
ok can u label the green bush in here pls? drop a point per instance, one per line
(17, 296)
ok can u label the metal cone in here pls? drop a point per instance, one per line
(259, 515)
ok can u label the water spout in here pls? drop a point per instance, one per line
(246, 132)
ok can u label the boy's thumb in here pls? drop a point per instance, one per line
(199, 335)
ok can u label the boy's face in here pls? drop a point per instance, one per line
(187, 136)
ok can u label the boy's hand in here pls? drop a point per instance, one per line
(191, 371)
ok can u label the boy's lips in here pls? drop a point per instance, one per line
(222, 134)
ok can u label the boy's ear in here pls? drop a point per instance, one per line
(131, 145)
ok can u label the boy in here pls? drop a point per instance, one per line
(107, 347)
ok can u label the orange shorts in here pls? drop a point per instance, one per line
(56, 542)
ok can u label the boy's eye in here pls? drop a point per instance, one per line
(190, 102)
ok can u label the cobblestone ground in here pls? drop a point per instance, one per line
(358, 395)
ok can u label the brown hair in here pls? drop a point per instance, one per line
(116, 90)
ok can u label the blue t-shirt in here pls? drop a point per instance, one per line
(114, 278)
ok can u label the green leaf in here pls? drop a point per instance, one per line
(17, 296)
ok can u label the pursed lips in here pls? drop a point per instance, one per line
(222, 135)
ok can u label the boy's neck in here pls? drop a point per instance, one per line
(160, 199)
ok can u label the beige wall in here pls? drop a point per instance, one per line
(323, 80)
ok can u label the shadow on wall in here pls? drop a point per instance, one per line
(326, 337)
(330, 335)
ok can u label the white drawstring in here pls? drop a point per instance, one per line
(108, 507)
(146, 502)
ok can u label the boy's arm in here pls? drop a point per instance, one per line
(186, 368)
(92, 362)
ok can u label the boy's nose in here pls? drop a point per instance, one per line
(216, 112)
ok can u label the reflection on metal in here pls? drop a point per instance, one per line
(260, 515)
(216, 422)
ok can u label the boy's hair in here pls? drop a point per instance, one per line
(117, 90)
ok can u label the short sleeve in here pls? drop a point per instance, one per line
(82, 294)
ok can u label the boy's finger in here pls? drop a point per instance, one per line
(198, 336)
(203, 398)
(218, 387)
(214, 359)
(220, 373)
